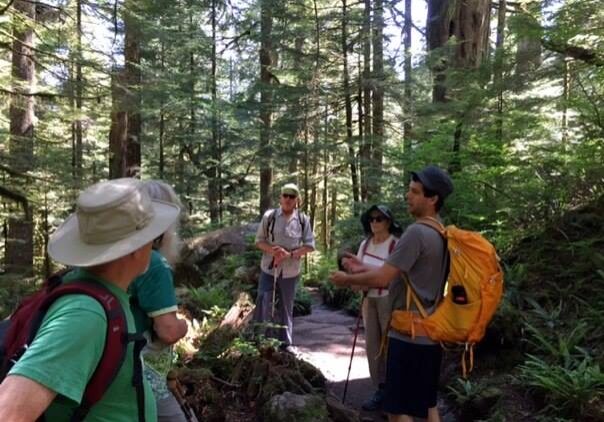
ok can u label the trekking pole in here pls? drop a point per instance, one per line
(275, 271)
(354, 343)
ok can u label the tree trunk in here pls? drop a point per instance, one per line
(498, 68)
(437, 34)
(76, 126)
(365, 152)
(407, 89)
(324, 199)
(118, 133)
(19, 243)
(348, 106)
(124, 135)
(565, 99)
(266, 99)
(162, 124)
(528, 47)
(378, 101)
(133, 80)
(213, 182)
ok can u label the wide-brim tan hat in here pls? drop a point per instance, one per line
(112, 219)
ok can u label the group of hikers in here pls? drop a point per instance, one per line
(406, 374)
(123, 238)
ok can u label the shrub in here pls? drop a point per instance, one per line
(574, 390)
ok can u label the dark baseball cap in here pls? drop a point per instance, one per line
(435, 179)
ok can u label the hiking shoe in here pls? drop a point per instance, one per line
(375, 402)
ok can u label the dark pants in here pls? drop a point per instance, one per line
(284, 308)
(412, 372)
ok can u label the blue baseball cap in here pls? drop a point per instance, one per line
(435, 179)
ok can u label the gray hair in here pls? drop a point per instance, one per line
(170, 244)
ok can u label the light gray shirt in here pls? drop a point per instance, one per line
(420, 255)
(287, 232)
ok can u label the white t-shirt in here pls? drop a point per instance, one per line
(375, 254)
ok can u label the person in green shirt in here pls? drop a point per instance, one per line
(108, 240)
(154, 306)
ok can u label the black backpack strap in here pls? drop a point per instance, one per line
(270, 225)
(137, 373)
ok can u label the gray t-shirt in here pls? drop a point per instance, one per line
(420, 254)
(287, 232)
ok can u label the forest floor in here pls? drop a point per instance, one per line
(324, 338)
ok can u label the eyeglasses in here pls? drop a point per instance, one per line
(289, 195)
(377, 219)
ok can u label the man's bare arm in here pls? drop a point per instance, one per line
(22, 399)
(377, 278)
(169, 328)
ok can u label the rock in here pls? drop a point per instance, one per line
(199, 253)
(339, 412)
(289, 407)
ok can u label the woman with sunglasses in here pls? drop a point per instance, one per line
(382, 232)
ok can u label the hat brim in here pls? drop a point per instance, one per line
(66, 246)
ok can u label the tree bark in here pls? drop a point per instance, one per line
(348, 106)
(125, 132)
(498, 68)
(213, 182)
(365, 152)
(266, 99)
(77, 124)
(378, 101)
(19, 243)
(133, 79)
(528, 47)
(407, 88)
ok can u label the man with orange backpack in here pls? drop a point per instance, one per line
(82, 321)
(413, 361)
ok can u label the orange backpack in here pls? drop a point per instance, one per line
(472, 293)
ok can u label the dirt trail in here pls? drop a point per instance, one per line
(324, 338)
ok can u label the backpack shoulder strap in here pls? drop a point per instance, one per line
(304, 221)
(270, 224)
(433, 223)
(365, 246)
(116, 340)
(392, 245)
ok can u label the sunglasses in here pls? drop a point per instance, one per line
(289, 195)
(377, 219)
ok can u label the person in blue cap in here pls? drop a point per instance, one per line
(413, 364)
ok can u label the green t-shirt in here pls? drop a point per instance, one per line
(66, 351)
(152, 294)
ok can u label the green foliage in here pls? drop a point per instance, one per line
(302, 301)
(319, 271)
(464, 391)
(211, 298)
(573, 389)
(12, 291)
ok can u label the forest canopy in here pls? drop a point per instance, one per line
(229, 100)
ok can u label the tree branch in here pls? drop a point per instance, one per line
(6, 6)
(579, 53)
(49, 94)
(16, 197)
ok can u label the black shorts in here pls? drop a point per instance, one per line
(412, 373)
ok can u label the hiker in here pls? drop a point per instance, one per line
(154, 307)
(108, 240)
(284, 237)
(413, 364)
(382, 232)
